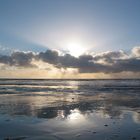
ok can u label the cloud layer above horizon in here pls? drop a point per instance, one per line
(109, 62)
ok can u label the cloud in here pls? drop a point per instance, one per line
(5, 50)
(49, 56)
(110, 56)
(106, 62)
(136, 51)
(22, 59)
(18, 59)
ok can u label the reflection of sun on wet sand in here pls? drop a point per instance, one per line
(71, 110)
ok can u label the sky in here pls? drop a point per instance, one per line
(64, 38)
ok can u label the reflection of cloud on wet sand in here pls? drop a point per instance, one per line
(136, 117)
(71, 109)
(62, 106)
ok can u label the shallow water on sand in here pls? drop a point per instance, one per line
(70, 109)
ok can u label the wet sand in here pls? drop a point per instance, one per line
(66, 109)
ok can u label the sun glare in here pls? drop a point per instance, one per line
(75, 117)
(75, 48)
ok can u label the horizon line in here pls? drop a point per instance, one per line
(69, 78)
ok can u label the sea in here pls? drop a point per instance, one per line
(69, 109)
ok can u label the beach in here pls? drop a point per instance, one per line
(69, 109)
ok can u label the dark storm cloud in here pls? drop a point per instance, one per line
(107, 62)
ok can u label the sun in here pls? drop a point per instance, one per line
(75, 48)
